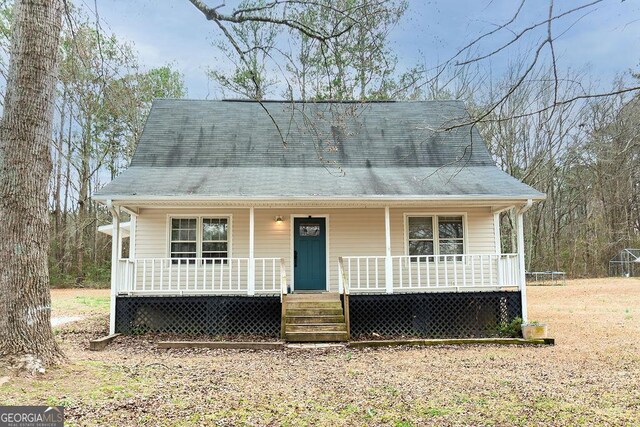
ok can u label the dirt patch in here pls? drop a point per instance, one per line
(61, 320)
(590, 377)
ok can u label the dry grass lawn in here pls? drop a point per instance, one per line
(591, 376)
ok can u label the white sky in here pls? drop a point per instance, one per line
(602, 41)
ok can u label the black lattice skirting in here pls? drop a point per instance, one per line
(433, 315)
(215, 315)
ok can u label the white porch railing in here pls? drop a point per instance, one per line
(358, 274)
(200, 276)
(367, 274)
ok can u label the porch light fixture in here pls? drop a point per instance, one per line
(279, 219)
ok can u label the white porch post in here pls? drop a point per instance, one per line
(388, 263)
(521, 270)
(115, 247)
(496, 230)
(498, 245)
(251, 276)
(132, 236)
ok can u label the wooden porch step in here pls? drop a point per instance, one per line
(314, 317)
(314, 311)
(314, 304)
(334, 336)
(319, 296)
(333, 318)
(316, 327)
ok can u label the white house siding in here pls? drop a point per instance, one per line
(479, 239)
(479, 232)
(152, 241)
(351, 232)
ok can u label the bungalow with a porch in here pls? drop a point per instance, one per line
(317, 221)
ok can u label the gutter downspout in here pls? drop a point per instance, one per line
(523, 284)
(115, 245)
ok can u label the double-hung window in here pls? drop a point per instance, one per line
(421, 239)
(435, 235)
(215, 241)
(450, 235)
(199, 238)
(184, 241)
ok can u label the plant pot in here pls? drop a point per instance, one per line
(534, 332)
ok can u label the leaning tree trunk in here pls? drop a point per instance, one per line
(25, 165)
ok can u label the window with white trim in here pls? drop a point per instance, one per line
(450, 235)
(184, 238)
(421, 240)
(448, 238)
(215, 241)
(199, 238)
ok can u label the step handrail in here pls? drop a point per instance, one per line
(283, 280)
(283, 300)
(345, 296)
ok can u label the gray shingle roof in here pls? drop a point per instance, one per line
(234, 149)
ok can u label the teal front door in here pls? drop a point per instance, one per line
(309, 254)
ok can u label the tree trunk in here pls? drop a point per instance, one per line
(25, 164)
(57, 185)
(66, 257)
(83, 194)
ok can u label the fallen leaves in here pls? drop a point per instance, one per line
(589, 377)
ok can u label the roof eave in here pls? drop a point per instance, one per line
(390, 198)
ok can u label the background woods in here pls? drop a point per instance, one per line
(102, 97)
(585, 155)
(586, 158)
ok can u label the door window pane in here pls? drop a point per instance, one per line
(309, 230)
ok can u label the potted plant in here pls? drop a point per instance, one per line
(534, 330)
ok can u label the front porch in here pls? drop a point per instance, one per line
(216, 270)
(429, 296)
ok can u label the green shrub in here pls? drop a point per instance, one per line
(511, 329)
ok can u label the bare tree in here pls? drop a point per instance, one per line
(541, 56)
(25, 165)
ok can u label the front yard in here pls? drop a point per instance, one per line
(589, 377)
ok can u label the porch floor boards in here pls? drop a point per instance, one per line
(314, 318)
